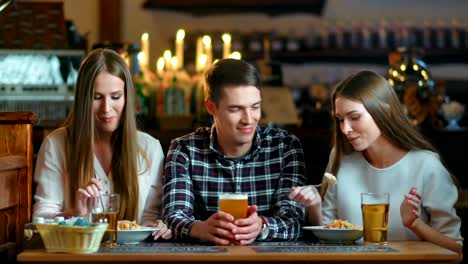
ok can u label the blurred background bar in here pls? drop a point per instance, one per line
(302, 48)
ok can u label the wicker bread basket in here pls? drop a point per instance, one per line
(71, 239)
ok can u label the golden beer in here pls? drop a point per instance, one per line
(105, 209)
(375, 220)
(375, 207)
(110, 237)
(235, 204)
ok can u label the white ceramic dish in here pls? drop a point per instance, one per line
(335, 235)
(134, 235)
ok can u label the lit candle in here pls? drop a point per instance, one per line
(145, 49)
(202, 62)
(167, 56)
(199, 53)
(208, 50)
(174, 63)
(226, 45)
(235, 55)
(180, 47)
(141, 60)
(160, 66)
(126, 58)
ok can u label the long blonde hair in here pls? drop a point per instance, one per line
(80, 133)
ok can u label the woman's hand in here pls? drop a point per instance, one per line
(409, 208)
(164, 232)
(83, 203)
(306, 195)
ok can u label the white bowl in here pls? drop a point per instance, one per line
(135, 235)
(335, 235)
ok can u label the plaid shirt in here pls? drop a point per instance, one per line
(195, 172)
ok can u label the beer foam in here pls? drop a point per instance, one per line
(233, 196)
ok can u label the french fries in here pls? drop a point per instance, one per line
(127, 225)
(339, 223)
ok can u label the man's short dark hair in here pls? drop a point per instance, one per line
(229, 73)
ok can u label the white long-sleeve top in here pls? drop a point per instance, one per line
(421, 169)
(51, 176)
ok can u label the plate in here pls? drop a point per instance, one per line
(335, 235)
(135, 235)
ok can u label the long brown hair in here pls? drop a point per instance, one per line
(81, 130)
(382, 103)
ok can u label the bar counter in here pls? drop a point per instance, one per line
(266, 252)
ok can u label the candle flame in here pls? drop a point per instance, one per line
(235, 55)
(206, 40)
(226, 38)
(145, 36)
(180, 35)
(160, 64)
(174, 62)
(141, 56)
(167, 55)
(203, 59)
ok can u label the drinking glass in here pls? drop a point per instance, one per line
(105, 209)
(375, 208)
(235, 204)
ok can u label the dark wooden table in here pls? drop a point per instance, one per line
(286, 252)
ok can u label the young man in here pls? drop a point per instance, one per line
(235, 155)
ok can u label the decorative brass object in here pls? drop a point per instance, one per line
(412, 81)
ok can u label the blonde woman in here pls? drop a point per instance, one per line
(100, 150)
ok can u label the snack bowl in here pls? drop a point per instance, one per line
(71, 239)
(134, 236)
(335, 235)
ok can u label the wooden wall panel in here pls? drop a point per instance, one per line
(109, 21)
(16, 169)
(8, 196)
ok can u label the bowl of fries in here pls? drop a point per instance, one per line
(129, 232)
(337, 232)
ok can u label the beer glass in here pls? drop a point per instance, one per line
(235, 204)
(105, 209)
(375, 208)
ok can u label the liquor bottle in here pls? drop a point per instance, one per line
(455, 34)
(277, 42)
(426, 34)
(356, 35)
(324, 34)
(383, 34)
(293, 43)
(366, 35)
(217, 43)
(236, 40)
(339, 34)
(311, 38)
(440, 35)
(255, 43)
(143, 95)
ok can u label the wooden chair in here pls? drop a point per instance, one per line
(16, 170)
